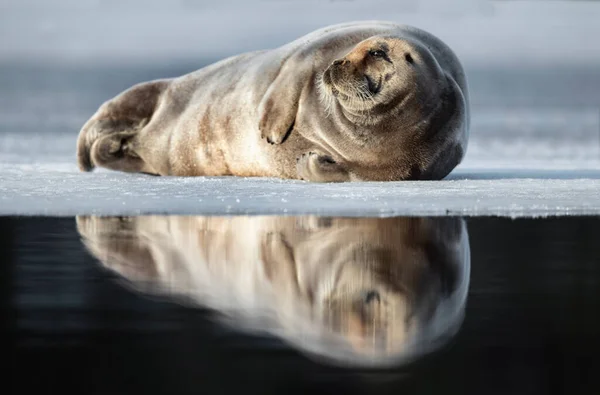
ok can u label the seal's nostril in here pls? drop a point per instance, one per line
(372, 296)
(337, 62)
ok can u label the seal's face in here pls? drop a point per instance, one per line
(369, 310)
(379, 71)
(376, 287)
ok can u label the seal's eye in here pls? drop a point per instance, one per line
(377, 53)
(408, 58)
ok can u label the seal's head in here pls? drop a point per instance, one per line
(368, 306)
(382, 72)
(383, 287)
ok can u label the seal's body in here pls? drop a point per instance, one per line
(358, 101)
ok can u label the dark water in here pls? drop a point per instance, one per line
(528, 326)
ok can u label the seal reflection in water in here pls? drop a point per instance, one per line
(360, 101)
(358, 291)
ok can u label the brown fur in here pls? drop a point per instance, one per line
(323, 108)
(372, 287)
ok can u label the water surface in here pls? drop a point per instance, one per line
(528, 326)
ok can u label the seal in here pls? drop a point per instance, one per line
(361, 291)
(370, 101)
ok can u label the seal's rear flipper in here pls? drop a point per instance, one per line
(106, 138)
(116, 243)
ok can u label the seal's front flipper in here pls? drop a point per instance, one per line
(316, 167)
(107, 138)
(277, 109)
(279, 263)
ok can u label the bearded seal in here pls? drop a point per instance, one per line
(360, 101)
(359, 291)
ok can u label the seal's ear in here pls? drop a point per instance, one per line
(104, 139)
(278, 107)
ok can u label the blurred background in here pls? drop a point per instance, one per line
(108, 32)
